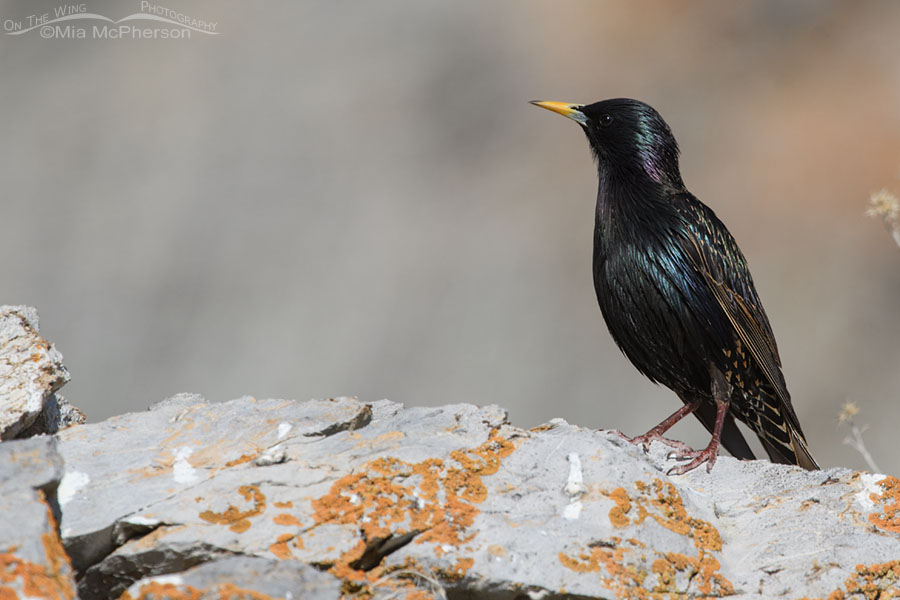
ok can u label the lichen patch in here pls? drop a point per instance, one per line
(238, 520)
(51, 580)
(869, 582)
(624, 567)
(888, 503)
(433, 501)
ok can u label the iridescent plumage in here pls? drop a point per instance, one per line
(676, 293)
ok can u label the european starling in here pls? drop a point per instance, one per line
(676, 293)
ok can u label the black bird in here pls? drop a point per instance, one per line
(676, 293)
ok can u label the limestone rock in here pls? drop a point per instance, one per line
(241, 577)
(32, 560)
(31, 371)
(454, 500)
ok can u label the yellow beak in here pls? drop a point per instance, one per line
(572, 111)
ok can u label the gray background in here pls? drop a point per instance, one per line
(336, 198)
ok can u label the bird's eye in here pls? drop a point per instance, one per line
(605, 120)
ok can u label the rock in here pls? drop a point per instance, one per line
(167, 459)
(240, 577)
(32, 560)
(339, 498)
(454, 500)
(31, 371)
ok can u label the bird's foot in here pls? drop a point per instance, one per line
(651, 436)
(697, 457)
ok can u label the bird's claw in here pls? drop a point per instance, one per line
(651, 436)
(708, 455)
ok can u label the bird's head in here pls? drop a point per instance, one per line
(627, 137)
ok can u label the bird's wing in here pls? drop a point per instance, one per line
(717, 257)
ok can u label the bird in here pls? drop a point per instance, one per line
(677, 295)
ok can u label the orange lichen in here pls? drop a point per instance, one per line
(625, 570)
(229, 591)
(51, 580)
(544, 427)
(244, 458)
(870, 582)
(164, 591)
(387, 498)
(343, 569)
(36, 580)
(618, 515)
(285, 519)
(168, 591)
(889, 500)
(622, 578)
(459, 570)
(668, 510)
(236, 519)
(403, 580)
(281, 548)
(390, 497)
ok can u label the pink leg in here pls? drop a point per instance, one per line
(656, 434)
(721, 392)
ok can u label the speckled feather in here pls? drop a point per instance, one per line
(675, 289)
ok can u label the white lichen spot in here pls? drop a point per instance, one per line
(283, 429)
(72, 482)
(447, 548)
(575, 488)
(572, 510)
(273, 456)
(34, 397)
(575, 484)
(182, 471)
(138, 520)
(168, 579)
(869, 486)
(354, 499)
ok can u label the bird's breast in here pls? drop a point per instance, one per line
(655, 305)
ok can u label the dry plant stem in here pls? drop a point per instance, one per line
(892, 224)
(856, 442)
(436, 588)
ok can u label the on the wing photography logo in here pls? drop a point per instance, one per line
(74, 22)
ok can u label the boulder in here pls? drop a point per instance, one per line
(454, 500)
(31, 372)
(33, 563)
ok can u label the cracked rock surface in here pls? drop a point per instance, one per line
(31, 372)
(392, 501)
(241, 577)
(32, 560)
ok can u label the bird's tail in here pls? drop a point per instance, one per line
(797, 454)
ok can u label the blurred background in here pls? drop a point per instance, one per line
(333, 198)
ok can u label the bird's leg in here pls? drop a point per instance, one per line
(721, 392)
(656, 434)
